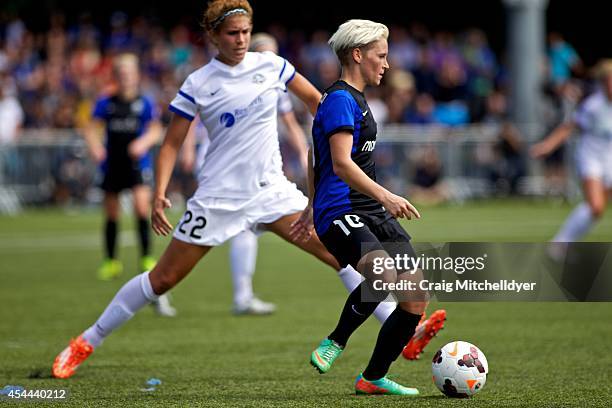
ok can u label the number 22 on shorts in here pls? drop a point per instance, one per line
(198, 223)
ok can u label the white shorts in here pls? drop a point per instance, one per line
(594, 159)
(210, 221)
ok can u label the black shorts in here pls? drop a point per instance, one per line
(351, 236)
(118, 178)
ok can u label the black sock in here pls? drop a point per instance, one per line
(393, 336)
(356, 312)
(110, 238)
(143, 233)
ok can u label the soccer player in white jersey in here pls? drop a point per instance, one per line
(243, 247)
(241, 185)
(593, 120)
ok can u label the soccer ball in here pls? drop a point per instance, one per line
(459, 369)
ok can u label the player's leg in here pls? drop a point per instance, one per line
(141, 197)
(583, 217)
(243, 257)
(397, 330)
(363, 300)
(111, 266)
(397, 243)
(176, 262)
(347, 274)
(141, 194)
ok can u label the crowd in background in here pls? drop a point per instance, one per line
(51, 79)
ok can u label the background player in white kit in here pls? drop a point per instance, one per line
(593, 119)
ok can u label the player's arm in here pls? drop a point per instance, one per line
(141, 145)
(555, 139)
(92, 133)
(188, 151)
(175, 135)
(341, 144)
(301, 229)
(306, 91)
(295, 137)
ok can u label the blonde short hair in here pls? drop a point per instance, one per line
(355, 34)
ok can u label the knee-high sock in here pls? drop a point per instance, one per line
(110, 238)
(577, 224)
(393, 336)
(132, 297)
(351, 279)
(145, 236)
(355, 312)
(243, 256)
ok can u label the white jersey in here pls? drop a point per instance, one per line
(201, 135)
(594, 117)
(238, 107)
(594, 148)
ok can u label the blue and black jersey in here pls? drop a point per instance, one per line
(343, 108)
(125, 121)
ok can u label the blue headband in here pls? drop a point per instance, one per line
(215, 23)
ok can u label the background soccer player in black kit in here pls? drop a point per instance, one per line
(132, 127)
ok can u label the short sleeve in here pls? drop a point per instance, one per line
(184, 103)
(99, 111)
(286, 71)
(150, 111)
(337, 113)
(284, 103)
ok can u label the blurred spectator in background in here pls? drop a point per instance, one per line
(507, 163)
(563, 59)
(400, 92)
(422, 112)
(451, 92)
(427, 184)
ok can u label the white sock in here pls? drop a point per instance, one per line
(243, 256)
(132, 297)
(577, 224)
(351, 279)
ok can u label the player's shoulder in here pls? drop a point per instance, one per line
(201, 74)
(337, 94)
(105, 99)
(594, 101)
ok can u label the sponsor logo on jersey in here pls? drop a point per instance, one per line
(227, 119)
(369, 146)
(258, 78)
(137, 107)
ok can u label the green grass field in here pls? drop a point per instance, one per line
(540, 354)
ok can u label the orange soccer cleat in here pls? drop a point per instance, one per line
(424, 332)
(71, 357)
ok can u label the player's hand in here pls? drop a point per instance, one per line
(301, 229)
(98, 154)
(159, 222)
(137, 149)
(399, 207)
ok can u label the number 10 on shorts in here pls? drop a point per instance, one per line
(352, 221)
